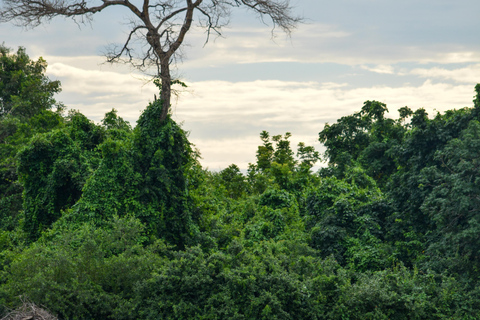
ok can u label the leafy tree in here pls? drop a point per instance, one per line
(395, 154)
(454, 201)
(366, 137)
(112, 189)
(164, 157)
(24, 88)
(122, 223)
(85, 272)
(350, 134)
(408, 187)
(234, 181)
(307, 155)
(399, 293)
(263, 283)
(283, 153)
(10, 187)
(144, 173)
(277, 217)
(338, 211)
(53, 168)
(265, 152)
(26, 97)
(276, 161)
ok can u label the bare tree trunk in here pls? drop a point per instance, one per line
(166, 91)
(165, 57)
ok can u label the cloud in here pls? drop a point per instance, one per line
(381, 68)
(255, 45)
(94, 82)
(225, 117)
(345, 32)
(95, 92)
(225, 122)
(319, 43)
(469, 74)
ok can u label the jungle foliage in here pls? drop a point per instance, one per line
(106, 221)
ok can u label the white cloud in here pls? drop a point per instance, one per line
(464, 56)
(225, 122)
(316, 43)
(225, 118)
(94, 81)
(256, 45)
(469, 74)
(94, 92)
(381, 68)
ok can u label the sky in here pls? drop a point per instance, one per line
(420, 54)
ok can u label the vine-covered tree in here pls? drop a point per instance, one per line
(162, 24)
(26, 103)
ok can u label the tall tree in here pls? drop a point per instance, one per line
(162, 24)
(26, 100)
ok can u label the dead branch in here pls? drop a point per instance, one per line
(29, 311)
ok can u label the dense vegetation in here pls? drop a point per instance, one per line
(106, 221)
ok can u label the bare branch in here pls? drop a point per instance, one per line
(279, 11)
(115, 55)
(31, 13)
(185, 27)
(212, 24)
(169, 17)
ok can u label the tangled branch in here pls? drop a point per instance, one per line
(29, 311)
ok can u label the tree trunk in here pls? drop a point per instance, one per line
(166, 87)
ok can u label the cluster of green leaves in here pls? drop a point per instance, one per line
(24, 88)
(427, 170)
(102, 221)
(26, 101)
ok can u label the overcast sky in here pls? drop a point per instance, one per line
(423, 53)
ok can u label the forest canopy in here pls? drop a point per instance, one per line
(113, 221)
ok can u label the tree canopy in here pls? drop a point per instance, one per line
(105, 221)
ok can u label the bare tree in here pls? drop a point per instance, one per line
(160, 24)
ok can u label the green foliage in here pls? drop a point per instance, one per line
(116, 127)
(404, 160)
(337, 211)
(112, 189)
(163, 156)
(234, 181)
(24, 89)
(102, 221)
(277, 165)
(399, 293)
(454, 201)
(85, 272)
(143, 173)
(53, 168)
(283, 153)
(350, 134)
(26, 95)
(265, 152)
(15, 134)
(307, 155)
(264, 283)
(50, 171)
(277, 217)
(366, 137)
